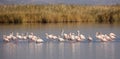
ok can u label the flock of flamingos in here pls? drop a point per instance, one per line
(63, 37)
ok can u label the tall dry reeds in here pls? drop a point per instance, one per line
(58, 13)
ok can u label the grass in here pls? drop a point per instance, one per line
(58, 13)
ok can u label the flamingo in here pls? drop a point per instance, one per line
(34, 38)
(107, 37)
(98, 35)
(5, 38)
(112, 36)
(72, 36)
(104, 39)
(101, 37)
(65, 36)
(25, 36)
(12, 36)
(90, 38)
(30, 36)
(54, 37)
(60, 39)
(18, 36)
(9, 36)
(39, 40)
(62, 32)
(50, 36)
(78, 33)
(82, 36)
(78, 38)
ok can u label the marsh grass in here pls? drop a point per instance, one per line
(58, 13)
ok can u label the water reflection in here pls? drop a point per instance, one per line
(9, 50)
(51, 50)
(105, 50)
(61, 50)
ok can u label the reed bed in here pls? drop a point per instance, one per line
(58, 13)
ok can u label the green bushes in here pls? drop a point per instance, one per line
(58, 13)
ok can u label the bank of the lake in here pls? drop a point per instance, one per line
(59, 13)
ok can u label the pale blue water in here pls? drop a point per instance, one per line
(83, 2)
(60, 50)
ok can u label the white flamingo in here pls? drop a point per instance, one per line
(65, 36)
(82, 36)
(90, 38)
(12, 36)
(39, 40)
(60, 39)
(5, 38)
(101, 37)
(98, 35)
(18, 36)
(104, 39)
(78, 33)
(54, 37)
(9, 36)
(49, 36)
(78, 39)
(34, 38)
(72, 36)
(62, 32)
(108, 37)
(112, 36)
(25, 36)
(30, 36)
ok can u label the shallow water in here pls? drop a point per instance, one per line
(84, 2)
(60, 50)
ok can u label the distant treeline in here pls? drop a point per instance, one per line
(58, 13)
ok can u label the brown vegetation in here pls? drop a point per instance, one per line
(58, 13)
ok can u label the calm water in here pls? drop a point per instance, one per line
(83, 2)
(60, 50)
